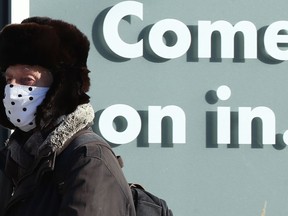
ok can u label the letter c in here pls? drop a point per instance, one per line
(110, 29)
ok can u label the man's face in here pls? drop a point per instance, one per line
(28, 75)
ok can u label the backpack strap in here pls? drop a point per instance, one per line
(77, 140)
(80, 138)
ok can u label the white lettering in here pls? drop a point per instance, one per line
(223, 125)
(246, 115)
(110, 29)
(155, 116)
(133, 124)
(272, 38)
(156, 38)
(227, 32)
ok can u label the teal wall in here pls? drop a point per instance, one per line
(199, 177)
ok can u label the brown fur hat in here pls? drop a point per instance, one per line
(57, 46)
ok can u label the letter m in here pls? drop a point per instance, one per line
(227, 32)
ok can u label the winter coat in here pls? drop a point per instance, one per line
(58, 175)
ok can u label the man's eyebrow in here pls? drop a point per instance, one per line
(6, 73)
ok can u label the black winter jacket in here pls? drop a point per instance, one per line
(83, 178)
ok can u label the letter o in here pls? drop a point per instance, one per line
(156, 38)
(133, 124)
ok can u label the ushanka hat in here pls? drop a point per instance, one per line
(57, 46)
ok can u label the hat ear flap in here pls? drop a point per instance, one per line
(4, 121)
(63, 97)
(85, 80)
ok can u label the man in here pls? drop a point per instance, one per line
(56, 164)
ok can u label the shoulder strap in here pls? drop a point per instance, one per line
(86, 136)
(80, 138)
(83, 137)
(77, 139)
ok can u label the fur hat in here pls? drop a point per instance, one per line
(57, 46)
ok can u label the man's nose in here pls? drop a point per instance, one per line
(12, 82)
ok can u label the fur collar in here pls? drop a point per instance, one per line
(68, 126)
(29, 154)
(81, 118)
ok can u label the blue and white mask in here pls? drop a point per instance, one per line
(20, 104)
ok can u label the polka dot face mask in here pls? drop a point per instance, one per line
(20, 104)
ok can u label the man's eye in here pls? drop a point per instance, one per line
(27, 81)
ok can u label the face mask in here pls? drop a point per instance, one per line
(20, 104)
